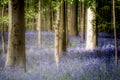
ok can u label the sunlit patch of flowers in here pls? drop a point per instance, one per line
(78, 64)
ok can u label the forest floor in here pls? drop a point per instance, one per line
(78, 64)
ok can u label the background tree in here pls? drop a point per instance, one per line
(3, 21)
(39, 24)
(115, 34)
(82, 20)
(31, 11)
(3, 39)
(62, 29)
(73, 27)
(66, 22)
(50, 28)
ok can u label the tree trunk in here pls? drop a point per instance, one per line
(82, 21)
(49, 21)
(3, 38)
(91, 40)
(39, 25)
(56, 26)
(115, 34)
(66, 22)
(33, 24)
(45, 21)
(16, 39)
(73, 29)
(50, 18)
(62, 29)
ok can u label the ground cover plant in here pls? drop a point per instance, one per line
(78, 64)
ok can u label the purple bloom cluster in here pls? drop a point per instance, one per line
(78, 64)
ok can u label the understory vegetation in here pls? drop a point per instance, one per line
(78, 64)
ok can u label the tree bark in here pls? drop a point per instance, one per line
(16, 39)
(3, 38)
(66, 22)
(115, 34)
(91, 40)
(73, 29)
(82, 21)
(51, 17)
(56, 28)
(39, 25)
(62, 30)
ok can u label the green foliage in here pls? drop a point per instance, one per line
(56, 5)
(4, 19)
(104, 16)
(118, 7)
(106, 7)
(90, 3)
(3, 2)
(70, 1)
(31, 9)
(30, 13)
(46, 3)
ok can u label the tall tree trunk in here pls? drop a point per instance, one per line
(3, 38)
(32, 25)
(66, 21)
(39, 25)
(16, 39)
(91, 40)
(62, 29)
(115, 34)
(56, 26)
(65, 37)
(73, 29)
(50, 20)
(51, 17)
(82, 23)
(45, 19)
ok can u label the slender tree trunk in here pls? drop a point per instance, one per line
(82, 21)
(3, 38)
(32, 24)
(28, 22)
(51, 18)
(69, 16)
(91, 40)
(66, 21)
(73, 29)
(44, 27)
(45, 21)
(64, 41)
(115, 34)
(77, 32)
(56, 26)
(16, 39)
(39, 25)
(62, 30)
